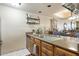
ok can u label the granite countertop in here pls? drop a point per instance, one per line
(69, 43)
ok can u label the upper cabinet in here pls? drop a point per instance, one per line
(33, 20)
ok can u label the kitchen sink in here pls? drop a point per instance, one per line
(39, 35)
(48, 37)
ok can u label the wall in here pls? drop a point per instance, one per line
(0, 36)
(14, 27)
(60, 23)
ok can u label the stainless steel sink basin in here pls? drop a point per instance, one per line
(53, 38)
(39, 35)
(48, 37)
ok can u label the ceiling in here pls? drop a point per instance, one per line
(35, 7)
(63, 14)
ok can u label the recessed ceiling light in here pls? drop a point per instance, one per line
(19, 3)
(16, 4)
(48, 5)
(39, 11)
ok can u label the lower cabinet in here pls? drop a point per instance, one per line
(41, 48)
(61, 52)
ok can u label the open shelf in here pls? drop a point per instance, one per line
(32, 20)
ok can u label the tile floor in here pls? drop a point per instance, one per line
(23, 52)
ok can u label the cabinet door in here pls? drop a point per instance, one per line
(38, 45)
(31, 44)
(62, 52)
(47, 46)
(47, 52)
(47, 49)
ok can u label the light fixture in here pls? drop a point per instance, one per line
(48, 5)
(16, 4)
(74, 17)
(39, 11)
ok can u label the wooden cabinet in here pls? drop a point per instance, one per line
(61, 52)
(47, 49)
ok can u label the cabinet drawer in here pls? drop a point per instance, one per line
(37, 41)
(43, 54)
(47, 52)
(32, 40)
(43, 50)
(48, 46)
(62, 52)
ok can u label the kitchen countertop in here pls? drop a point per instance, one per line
(68, 43)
